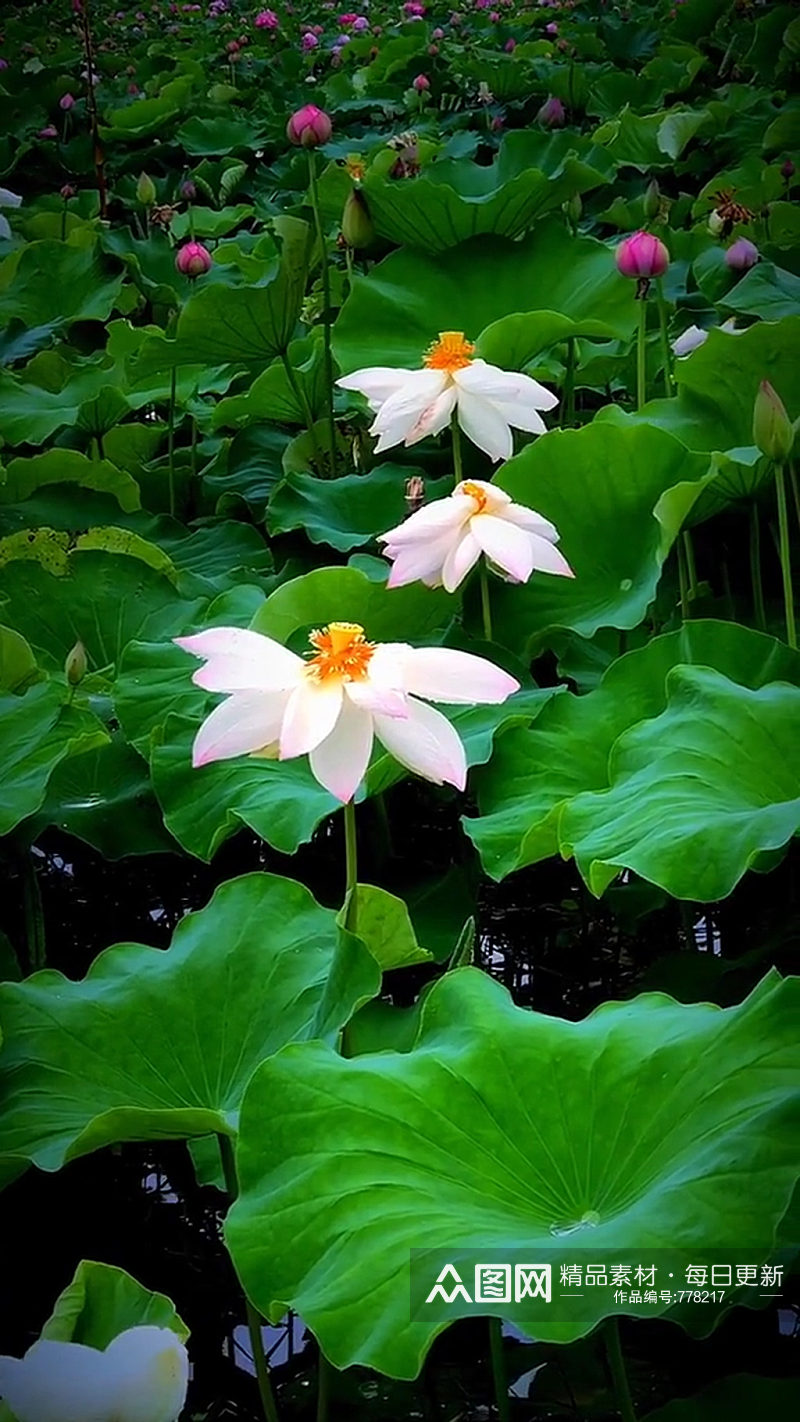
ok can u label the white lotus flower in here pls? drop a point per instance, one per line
(441, 542)
(695, 336)
(141, 1377)
(7, 199)
(331, 706)
(411, 404)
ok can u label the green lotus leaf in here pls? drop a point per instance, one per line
(696, 795)
(105, 798)
(203, 137)
(56, 283)
(103, 600)
(535, 775)
(514, 341)
(718, 383)
(393, 314)
(101, 1302)
(766, 291)
(18, 669)
(383, 923)
(66, 466)
(618, 503)
(30, 413)
(37, 731)
(274, 395)
(147, 116)
(206, 224)
(411, 614)
(348, 512)
(160, 1045)
(665, 1125)
(452, 200)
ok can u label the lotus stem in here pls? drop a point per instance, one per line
(486, 606)
(641, 364)
(456, 433)
(568, 416)
(755, 568)
(691, 567)
(326, 299)
(499, 1369)
(795, 490)
(786, 565)
(171, 438)
(260, 1363)
(324, 1375)
(616, 1362)
(683, 580)
(194, 449)
(665, 346)
(34, 912)
(351, 866)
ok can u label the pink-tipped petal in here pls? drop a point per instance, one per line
(432, 521)
(246, 722)
(435, 417)
(482, 423)
(311, 713)
(549, 559)
(460, 678)
(418, 563)
(401, 412)
(240, 660)
(426, 743)
(339, 762)
(531, 521)
(462, 556)
(507, 546)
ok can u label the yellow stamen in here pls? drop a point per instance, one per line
(342, 651)
(475, 493)
(451, 352)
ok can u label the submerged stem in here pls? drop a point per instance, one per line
(253, 1320)
(499, 1370)
(786, 564)
(616, 1363)
(326, 315)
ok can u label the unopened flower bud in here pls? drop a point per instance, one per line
(309, 127)
(652, 200)
(76, 664)
(67, 192)
(642, 256)
(573, 209)
(773, 432)
(421, 83)
(145, 190)
(716, 222)
(188, 191)
(66, 102)
(552, 113)
(193, 260)
(741, 255)
(357, 228)
(787, 170)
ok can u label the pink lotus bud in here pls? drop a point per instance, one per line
(193, 260)
(433, 50)
(496, 124)
(48, 132)
(741, 255)
(438, 33)
(188, 191)
(266, 20)
(309, 41)
(66, 102)
(642, 256)
(421, 84)
(551, 29)
(360, 23)
(509, 46)
(309, 127)
(787, 171)
(552, 113)
(67, 192)
(3, 64)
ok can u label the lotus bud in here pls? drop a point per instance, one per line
(357, 228)
(573, 209)
(552, 114)
(652, 200)
(66, 102)
(145, 190)
(76, 664)
(415, 493)
(715, 223)
(67, 192)
(421, 84)
(193, 260)
(309, 127)
(741, 255)
(787, 170)
(773, 431)
(642, 256)
(188, 191)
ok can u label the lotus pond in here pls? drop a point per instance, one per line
(399, 692)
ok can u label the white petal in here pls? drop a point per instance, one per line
(507, 545)
(549, 559)
(494, 499)
(240, 660)
(5, 228)
(521, 417)
(689, 340)
(377, 382)
(426, 743)
(311, 713)
(460, 678)
(431, 521)
(150, 1371)
(462, 556)
(418, 390)
(435, 417)
(340, 761)
(484, 426)
(421, 562)
(56, 1382)
(508, 386)
(9, 199)
(368, 696)
(531, 520)
(246, 722)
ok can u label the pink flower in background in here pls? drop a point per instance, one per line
(440, 543)
(742, 255)
(421, 83)
(413, 9)
(335, 704)
(509, 46)
(266, 20)
(66, 102)
(360, 23)
(309, 41)
(552, 114)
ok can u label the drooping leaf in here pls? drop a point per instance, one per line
(101, 1302)
(37, 731)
